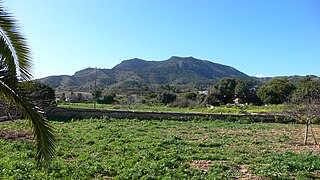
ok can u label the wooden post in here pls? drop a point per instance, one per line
(95, 89)
(306, 132)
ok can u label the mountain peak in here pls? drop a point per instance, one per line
(134, 63)
(175, 70)
(84, 71)
(175, 58)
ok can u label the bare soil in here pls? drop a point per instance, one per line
(14, 135)
(203, 165)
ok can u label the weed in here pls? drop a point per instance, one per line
(136, 149)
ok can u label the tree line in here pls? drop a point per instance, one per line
(275, 91)
(229, 90)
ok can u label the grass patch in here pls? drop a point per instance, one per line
(225, 109)
(134, 149)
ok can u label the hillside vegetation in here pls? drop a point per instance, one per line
(138, 72)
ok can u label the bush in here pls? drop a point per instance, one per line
(201, 100)
(289, 120)
(246, 120)
(150, 99)
(107, 99)
(315, 120)
(167, 97)
(231, 119)
(133, 99)
(278, 119)
(183, 103)
(190, 95)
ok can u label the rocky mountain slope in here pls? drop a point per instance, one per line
(137, 72)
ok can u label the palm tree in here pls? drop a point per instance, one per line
(15, 66)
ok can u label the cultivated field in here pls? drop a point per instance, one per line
(225, 109)
(133, 149)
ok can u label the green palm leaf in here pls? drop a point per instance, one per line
(15, 65)
(18, 57)
(42, 130)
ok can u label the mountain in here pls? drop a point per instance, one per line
(137, 72)
(294, 79)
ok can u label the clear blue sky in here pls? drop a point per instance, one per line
(258, 37)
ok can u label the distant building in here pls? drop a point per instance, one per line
(203, 92)
(77, 96)
(238, 101)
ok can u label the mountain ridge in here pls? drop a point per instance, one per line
(135, 72)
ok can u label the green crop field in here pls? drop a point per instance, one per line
(161, 108)
(135, 149)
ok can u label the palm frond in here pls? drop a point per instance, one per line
(15, 65)
(42, 130)
(17, 53)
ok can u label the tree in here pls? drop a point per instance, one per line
(15, 66)
(226, 89)
(214, 97)
(167, 97)
(246, 89)
(305, 104)
(190, 95)
(276, 91)
(38, 94)
(107, 99)
(97, 93)
(223, 91)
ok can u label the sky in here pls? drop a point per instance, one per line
(257, 37)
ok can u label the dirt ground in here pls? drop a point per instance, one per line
(14, 135)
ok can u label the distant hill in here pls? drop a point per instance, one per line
(294, 79)
(136, 72)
